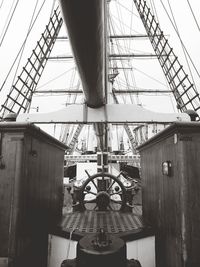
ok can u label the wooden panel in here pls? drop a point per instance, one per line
(9, 198)
(30, 193)
(191, 171)
(171, 204)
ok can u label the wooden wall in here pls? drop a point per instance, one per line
(171, 204)
(30, 192)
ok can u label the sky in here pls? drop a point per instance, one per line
(12, 41)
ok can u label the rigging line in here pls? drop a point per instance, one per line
(2, 1)
(9, 21)
(186, 58)
(133, 78)
(155, 11)
(136, 15)
(131, 23)
(151, 7)
(8, 74)
(111, 23)
(55, 78)
(21, 54)
(197, 72)
(123, 30)
(149, 76)
(122, 22)
(126, 45)
(7, 18)
(69, 98)
(124, 72)
(195, 19)
(53, 7)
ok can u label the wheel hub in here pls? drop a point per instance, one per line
(102, 200)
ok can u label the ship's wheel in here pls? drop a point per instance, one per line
(103, 192)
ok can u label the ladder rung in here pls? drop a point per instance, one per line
(197, 108)
(147, 15)
(163, 47)
(49, 32)
(34, 53)
(33, 66)
(144, 7)
(5, 107)
(28, 74)
(159, 40)
(180, 81)
(45, 41)
(25, 96)
(25, 83)
(41, 50)
(155, 30)
(190, 100)
(15, 102)
(176, 73)
(51, 23)
(167, 58)
(150, 26)
(171, 66)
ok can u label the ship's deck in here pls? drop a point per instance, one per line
(128, 225)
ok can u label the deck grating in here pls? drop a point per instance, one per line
(111, 222)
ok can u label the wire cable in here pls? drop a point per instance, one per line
(193, 15)
(9, 22)
(8, 74)
(2, 1)
(185, 55)
(53, 7)
(24, 44)
(196, 70)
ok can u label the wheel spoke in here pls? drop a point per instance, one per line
(94, 184)
(116, 193)
(110, 186)
(88, 192)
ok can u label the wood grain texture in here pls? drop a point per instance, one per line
(171, 204)
(30, 193)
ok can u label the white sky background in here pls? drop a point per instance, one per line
(18, 29)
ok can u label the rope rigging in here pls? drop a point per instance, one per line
(196, 70)
(186, 58)
(6, 27)
(21, 48)
(195, 19)
(24, 44)
(2, 1)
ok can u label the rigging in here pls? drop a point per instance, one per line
(195, 68)
(19, 52)
(3, 35)
(195, 19)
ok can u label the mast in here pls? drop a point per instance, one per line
(85, 22)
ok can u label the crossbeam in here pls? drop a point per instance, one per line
(110, 113)
(118, 56)
(135, 91)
